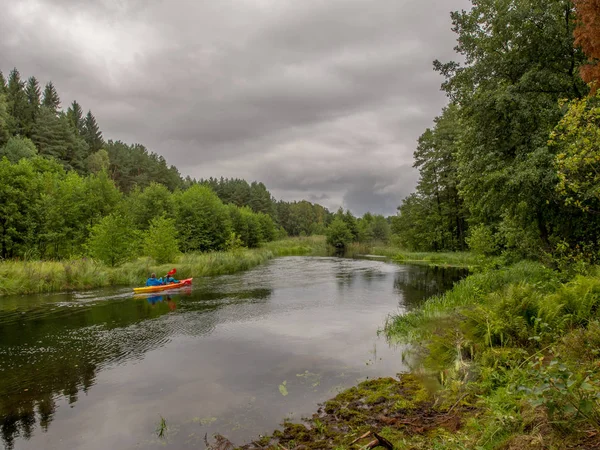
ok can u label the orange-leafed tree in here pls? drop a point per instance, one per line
(587, 36)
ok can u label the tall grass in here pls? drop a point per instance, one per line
(471, 291)
(31, 277)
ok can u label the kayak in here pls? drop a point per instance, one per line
(163, 287)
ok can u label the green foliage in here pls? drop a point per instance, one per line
(113, 240)
(50, 100)
(19, 191)
(18, 148)
(149, 203)
(4, 120)
(75, 117)
(54, 137)
(234, 242)
(202, 219)
(525, 338)
(133, 165)
(160, 241)
(577, 140)
(435, 217)
(91, 133)
(482, 241)
(338, 234)
(16, 104)
(97, 162)
(33, 94)
(508, 91)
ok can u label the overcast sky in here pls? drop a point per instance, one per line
(319, 99)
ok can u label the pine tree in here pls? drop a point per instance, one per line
(51, 99)
(4, 120)
(92, 133)
(75, 116)
(16, 103)
(53, 136)
(3, 86)
(33, 94)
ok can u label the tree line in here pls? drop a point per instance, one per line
(511, 163)
(67, 192)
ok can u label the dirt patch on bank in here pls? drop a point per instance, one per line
(381, 413)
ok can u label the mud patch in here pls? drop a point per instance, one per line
(380, 413)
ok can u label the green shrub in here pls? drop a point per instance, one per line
(160, 241)
(482, 241)
(113, 240)
(338, 234)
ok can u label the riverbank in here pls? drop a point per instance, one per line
(33, 277)
(507, 359)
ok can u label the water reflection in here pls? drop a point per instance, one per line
(418, 283)
(252, 330)
(57, 349)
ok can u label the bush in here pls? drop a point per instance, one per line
(202, 220)
(482, 241)
(160, 241)
(113, 240)
(338, 234)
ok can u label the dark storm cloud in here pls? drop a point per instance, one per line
(321, 100)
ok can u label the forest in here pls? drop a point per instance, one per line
(510, 165)
(67, 192)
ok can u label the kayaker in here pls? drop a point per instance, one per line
(152, 281)
(169, 279)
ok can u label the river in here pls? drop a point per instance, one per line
(234, 355)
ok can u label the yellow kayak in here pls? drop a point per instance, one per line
(164, 287)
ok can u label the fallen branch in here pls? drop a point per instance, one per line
(367, 434)
(379, 441)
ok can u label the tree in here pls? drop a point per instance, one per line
(53, 136)
(92, 133)
(435, 158)
(18, 148)
(519, 61)
(51, 100)
(3, 86)
(338, 234)
(160, 241)
(4, 120)
(147, 204)
(202, 220)
(75, 117)
(16, 103)
(97, 162)
(260, 198)
(380, 229)
(32, 92)
(19, 191)
(113, 240)
(587, 36)
(577, 139)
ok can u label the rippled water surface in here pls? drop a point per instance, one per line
(233, 355)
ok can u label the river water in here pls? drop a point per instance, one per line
(234, 355)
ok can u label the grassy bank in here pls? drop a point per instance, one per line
(456, 259)
(519, 345)
(508, 359)
(27, 277)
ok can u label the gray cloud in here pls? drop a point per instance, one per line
(319, 100)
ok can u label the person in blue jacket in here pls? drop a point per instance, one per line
(169, 279)
(152, 281)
